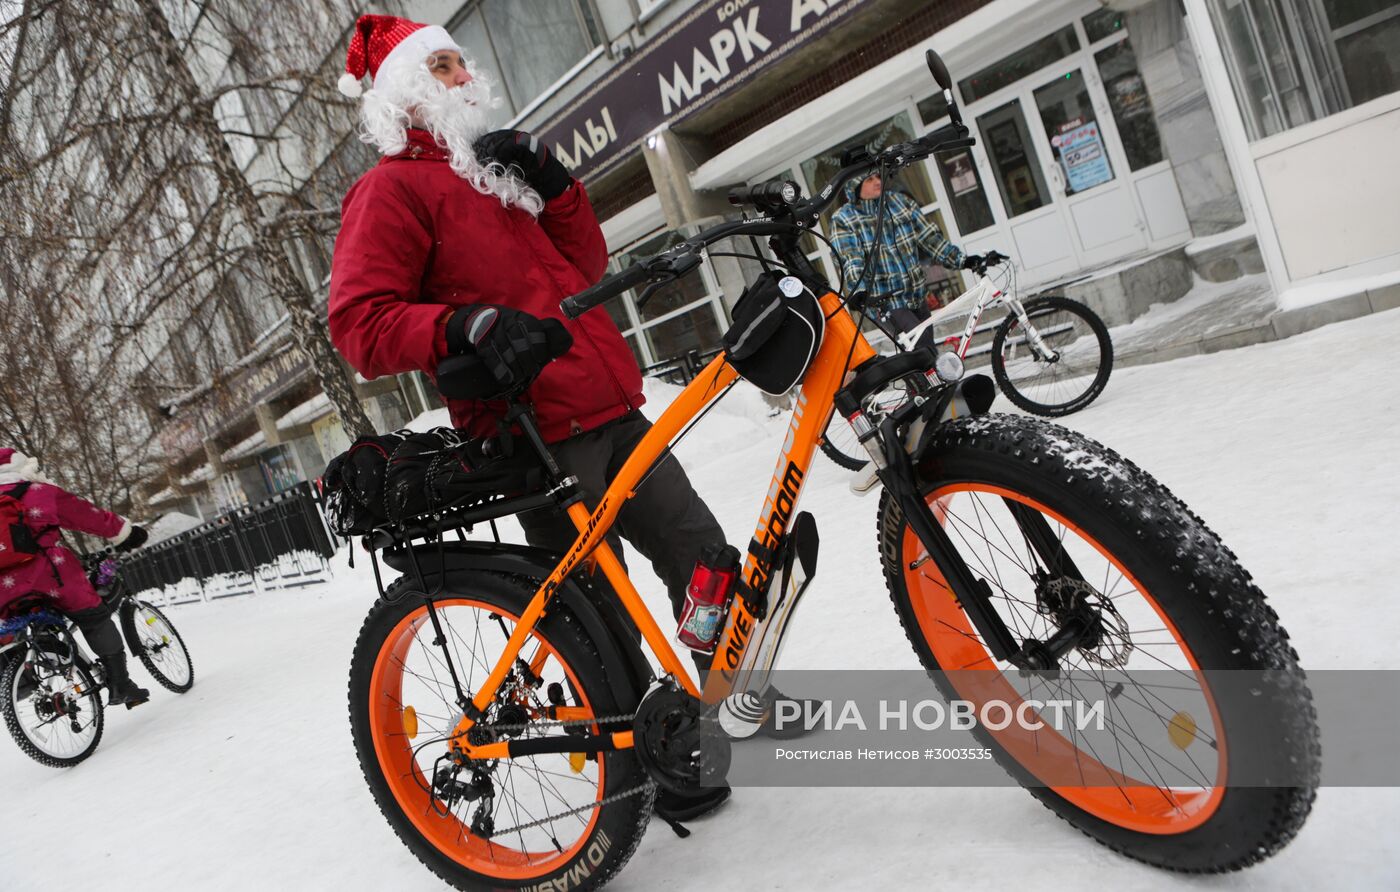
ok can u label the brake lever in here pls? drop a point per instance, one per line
(650, 291)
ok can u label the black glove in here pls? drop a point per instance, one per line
(134, 539)
(537, 165)
(497, 349)
(980, 262)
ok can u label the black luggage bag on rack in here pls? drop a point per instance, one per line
(392, 479)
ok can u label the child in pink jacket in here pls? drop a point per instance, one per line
(57, 573)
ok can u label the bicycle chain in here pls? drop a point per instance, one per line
(606, 800)
(566, 723)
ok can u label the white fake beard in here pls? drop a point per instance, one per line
(456, 117)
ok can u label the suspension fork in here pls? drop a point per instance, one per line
(1037, 343)
(973, 594)
(1042, 539)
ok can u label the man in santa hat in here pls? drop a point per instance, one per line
(462, 243)
(35, 562)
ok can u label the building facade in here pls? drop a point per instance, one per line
(1125, 149)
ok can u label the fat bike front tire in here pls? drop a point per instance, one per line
(1178, 597)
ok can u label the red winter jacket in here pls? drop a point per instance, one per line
(417, 241)
(58, 573)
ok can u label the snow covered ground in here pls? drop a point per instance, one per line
(249, 781)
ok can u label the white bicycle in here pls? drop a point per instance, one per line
(1051, 355)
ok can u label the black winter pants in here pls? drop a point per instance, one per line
(666, 520)
(99, 629)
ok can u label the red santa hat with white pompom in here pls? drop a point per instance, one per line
(381, 40)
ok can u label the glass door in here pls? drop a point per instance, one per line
(1037, 227)
(1085, 165)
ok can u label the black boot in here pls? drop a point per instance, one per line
(121, 690)
(673, 808)
(791, 728)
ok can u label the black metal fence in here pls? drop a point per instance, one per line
(280, 542)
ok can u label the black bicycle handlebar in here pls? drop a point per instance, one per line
(685, 256)
(575, 306)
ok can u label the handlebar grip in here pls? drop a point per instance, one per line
(578, 304)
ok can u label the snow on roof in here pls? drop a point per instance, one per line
(245, 448)
(165, 495)
(201, 474)
(312, 409)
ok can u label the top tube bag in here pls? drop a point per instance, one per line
(778, 326)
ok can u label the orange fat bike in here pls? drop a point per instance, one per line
(514, 734)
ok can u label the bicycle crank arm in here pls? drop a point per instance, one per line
(973, 594)
(535, 746)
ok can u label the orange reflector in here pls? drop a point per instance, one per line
(1181, 730)
(410, 722)
(576, 762)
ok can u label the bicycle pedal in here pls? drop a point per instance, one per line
(865, 480)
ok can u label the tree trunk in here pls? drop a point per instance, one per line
(310, 332)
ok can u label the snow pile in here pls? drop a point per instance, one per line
(1293, 466)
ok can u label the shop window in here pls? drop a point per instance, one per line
(525, 47)
(1072, 127)
(682, 292)
(1132, 108)
(1013, 159)
(1296, 61)
(966, 194)
(1103, 23)
(819, 169)
(933, 109)
(1006, 72)
(677, 319)
(677, 336)
(944, 284)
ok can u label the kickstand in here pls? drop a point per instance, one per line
(677, 826)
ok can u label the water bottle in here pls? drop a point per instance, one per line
(707, 597)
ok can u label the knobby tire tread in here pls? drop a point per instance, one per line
(623, 849)
(1047, 410)
(1131, 497)
(27, 746)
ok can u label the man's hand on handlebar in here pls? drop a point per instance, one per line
(979, 263)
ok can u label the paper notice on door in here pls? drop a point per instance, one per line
(1082, 154)
(962, 178)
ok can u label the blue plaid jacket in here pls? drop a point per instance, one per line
(897, 276)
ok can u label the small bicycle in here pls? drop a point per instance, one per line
(51, 689)
(1051, 355)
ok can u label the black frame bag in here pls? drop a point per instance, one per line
(778, 326)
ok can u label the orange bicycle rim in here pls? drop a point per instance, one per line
(394, 753)
(1108, 794)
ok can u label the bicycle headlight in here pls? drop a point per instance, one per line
(949, 367)
(789, 192)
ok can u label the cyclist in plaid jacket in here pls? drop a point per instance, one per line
(896, 282)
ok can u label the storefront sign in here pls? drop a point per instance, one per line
(703, 55)
(1082, 154)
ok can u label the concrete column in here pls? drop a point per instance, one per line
(214, 454)
(1190, 135)
(670, 162)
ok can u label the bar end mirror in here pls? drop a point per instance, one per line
(939, 70)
